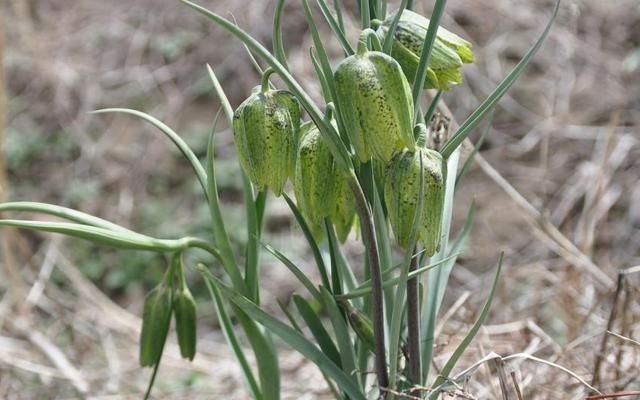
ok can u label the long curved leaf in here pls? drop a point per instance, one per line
(63, 212)
(446, 370)
(172, 135)
(293, 339)
(500, 90)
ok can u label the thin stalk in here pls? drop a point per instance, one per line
(377, 307)
(413, 325)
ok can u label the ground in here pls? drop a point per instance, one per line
(558, 193)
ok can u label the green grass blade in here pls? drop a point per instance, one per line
(224, 100)
(347, 278)
(429, 39)
(388, 39)
(338, 8)
(432, 108)
(293, 339)
(444, 374)
(317, 329)
(315, 249)
(254, 231)
(341, 331)
(337, 147)
(365, 288)
(297, 272)
(467, 163)
(335, 27)
(437, 279)
(324, 85)
(62, 212)
(220, 234)
(232, 340)
(107, 237)
(295, 325)
(365, 15)
(172, 135)
(475, 118)
(264, 350)
(278, 45)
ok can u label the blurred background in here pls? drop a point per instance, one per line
(562, 152)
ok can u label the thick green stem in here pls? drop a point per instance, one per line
(264, 83)
(413, 325)
(377, 306)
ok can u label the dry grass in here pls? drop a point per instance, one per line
(558, 193)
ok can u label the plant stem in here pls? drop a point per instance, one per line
(413, 325)
(377, 307)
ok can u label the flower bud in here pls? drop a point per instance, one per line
(314, 181)
(155, 324)
(184, 307)
(448, 53)
(361, 325)
(402, 191)
(265, 128)
(374, 99)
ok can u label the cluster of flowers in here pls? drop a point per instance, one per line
(376, 112)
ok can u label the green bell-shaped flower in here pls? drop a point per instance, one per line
(402, 191)
(374, 99)
(265, 128)
(448, 54)
(314, 178)
(344, 210)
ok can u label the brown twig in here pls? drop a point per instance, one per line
(612, 395)
(612, 317)
(516, 385)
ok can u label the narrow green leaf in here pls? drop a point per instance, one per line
(227, 328)
(278, 45)
(324, 85)
(432, 108)
(467, 163)
(429, 39)
(220, 234)
(365, 288)
(63, 212)
(444, 374)
(388, 39)
(438, 278)
(338, 8)
(123, 240)
(254, 231)
(475, 118)
(335, 27)
(173, 136)
(343, 338)
(302, 277)
(295, 325)
(365, 15)
(263, 348)
(224, 100)
(293, 339)
(315, 249)
(317, 329)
